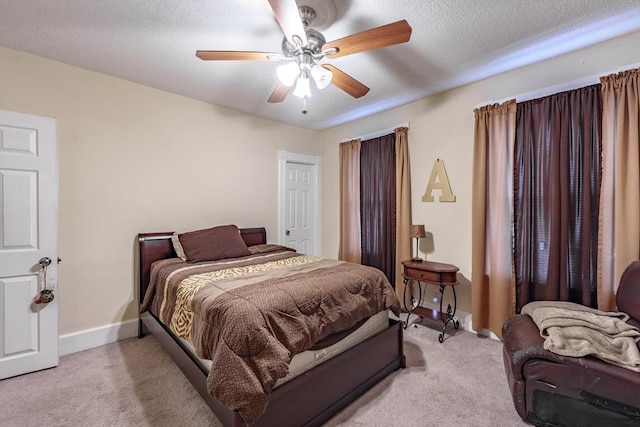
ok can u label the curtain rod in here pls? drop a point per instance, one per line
(377, 134)
(562, 87)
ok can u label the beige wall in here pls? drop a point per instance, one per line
(441, 127)
(136, 159)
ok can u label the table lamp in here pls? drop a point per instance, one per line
(417, 232)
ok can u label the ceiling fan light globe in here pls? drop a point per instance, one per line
(321, 76)
(288, 73)
(303, 88)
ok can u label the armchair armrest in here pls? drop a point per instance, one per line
(522, 342)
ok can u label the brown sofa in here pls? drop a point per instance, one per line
(552, 390)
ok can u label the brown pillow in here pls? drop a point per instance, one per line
(213, 244)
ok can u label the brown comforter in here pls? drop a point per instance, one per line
(250, 315)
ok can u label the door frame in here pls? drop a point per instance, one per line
(285, 157)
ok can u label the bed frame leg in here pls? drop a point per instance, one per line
(142, 329)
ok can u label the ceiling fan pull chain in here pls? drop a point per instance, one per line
(304, 105)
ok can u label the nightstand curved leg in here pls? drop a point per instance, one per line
(449, 316)
(404, 301)
(413, 302)
(456, 323)
(442, 299)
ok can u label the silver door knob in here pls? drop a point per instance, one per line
(287, 232)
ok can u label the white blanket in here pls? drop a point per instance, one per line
(575, 330)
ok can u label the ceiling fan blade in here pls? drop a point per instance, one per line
(230, 55)
(280, 93)
(375, 38)
(288, 16)
(347, 83)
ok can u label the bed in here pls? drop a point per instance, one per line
(311, 397)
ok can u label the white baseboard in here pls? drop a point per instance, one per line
(90, 338)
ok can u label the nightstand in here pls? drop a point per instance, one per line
(435, 273)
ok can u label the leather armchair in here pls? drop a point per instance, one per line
(553, 390)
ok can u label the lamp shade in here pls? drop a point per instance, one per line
(321, 76)
(418, 231)
(288, 73)
(303, 89)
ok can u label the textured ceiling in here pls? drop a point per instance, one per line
(454, 42)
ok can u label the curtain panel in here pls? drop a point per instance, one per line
(349, 163)
(403, 205)
(378, 204)
(619, 239)
(556, 197)
(492, 286)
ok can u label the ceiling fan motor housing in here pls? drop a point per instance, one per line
(315, 41)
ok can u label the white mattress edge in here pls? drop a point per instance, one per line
(302, 362)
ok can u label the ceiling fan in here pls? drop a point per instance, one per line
(304, 47)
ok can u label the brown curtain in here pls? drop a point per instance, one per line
(492, 288)
(349, 249)
(556, 197)
(403, 205)
(620, 200)
(378, 204)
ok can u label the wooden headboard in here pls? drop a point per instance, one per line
(153, 247)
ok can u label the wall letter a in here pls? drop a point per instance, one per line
(439, 181)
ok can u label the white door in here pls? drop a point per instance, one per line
(28, 232)
(300, 207)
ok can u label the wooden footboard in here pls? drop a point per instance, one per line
(309, 399)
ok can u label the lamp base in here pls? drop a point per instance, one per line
(416, 259)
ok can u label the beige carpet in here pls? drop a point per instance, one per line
(134, 383)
